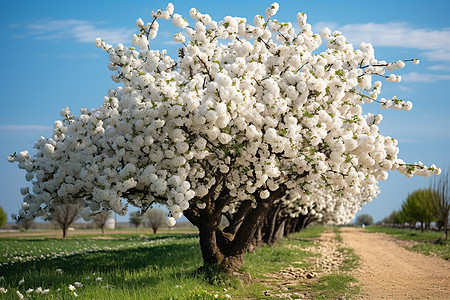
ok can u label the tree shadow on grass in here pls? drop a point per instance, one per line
(149, 264)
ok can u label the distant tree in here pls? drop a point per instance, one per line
(440, 200)
(101, 218)
(391, 219)
(65, 214)
(3, 217)
(25, 223)
(155, 218)
(136, 219)
(400, 218)
(417, 208)
(364, 219)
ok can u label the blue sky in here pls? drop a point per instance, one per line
(49, 61)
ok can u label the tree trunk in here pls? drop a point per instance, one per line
(278, 232)
(64, 230)
(225, 249)
(155, 229)
(446, 230)
(271, 219)
(287, 227)
(103, 229)
(208, 244)
(257, 240)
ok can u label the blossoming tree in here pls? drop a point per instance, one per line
(246, 118)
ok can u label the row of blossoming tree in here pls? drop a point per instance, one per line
(247, 125)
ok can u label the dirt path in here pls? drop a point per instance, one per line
(388, 271)
(327, 260)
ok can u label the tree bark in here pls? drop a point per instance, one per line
(271, 219)
(64, 230)
(225, 249)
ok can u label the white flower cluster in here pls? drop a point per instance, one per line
(245, 118)
(395, 103)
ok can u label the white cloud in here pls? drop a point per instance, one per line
(79, 30)
(171, 42)
(25, 127)
(435, 43)
(423, 77)
(439, 54)
(440, 67)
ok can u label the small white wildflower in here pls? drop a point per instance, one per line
(59, 271)
(72, 288)
(29, 290)
(77, 284)
(75, 294)
(19, 294)
(98, 279)
(3, 290)
(89, 277)
(22, 281)
(45, 291)
(38, 290)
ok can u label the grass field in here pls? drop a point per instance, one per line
(133, 266)
(427, 242)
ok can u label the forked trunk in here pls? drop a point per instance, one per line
(224, 249)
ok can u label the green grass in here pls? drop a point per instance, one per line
(162, 270)
(428, 242)
(337, 232)
(336, 286)
(286, 253)
(340, 284)
(351, 260)
(136, 266)
(34, 248)
(407, 234)
(440, 249)
(131, 266)
(311, 232)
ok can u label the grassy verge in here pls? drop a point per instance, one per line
(339, 284)
(427, 242)
(287, 252)
(336, 286)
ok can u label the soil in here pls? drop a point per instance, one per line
(327, 261)
(388, 271)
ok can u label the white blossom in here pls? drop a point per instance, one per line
(247, 109)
